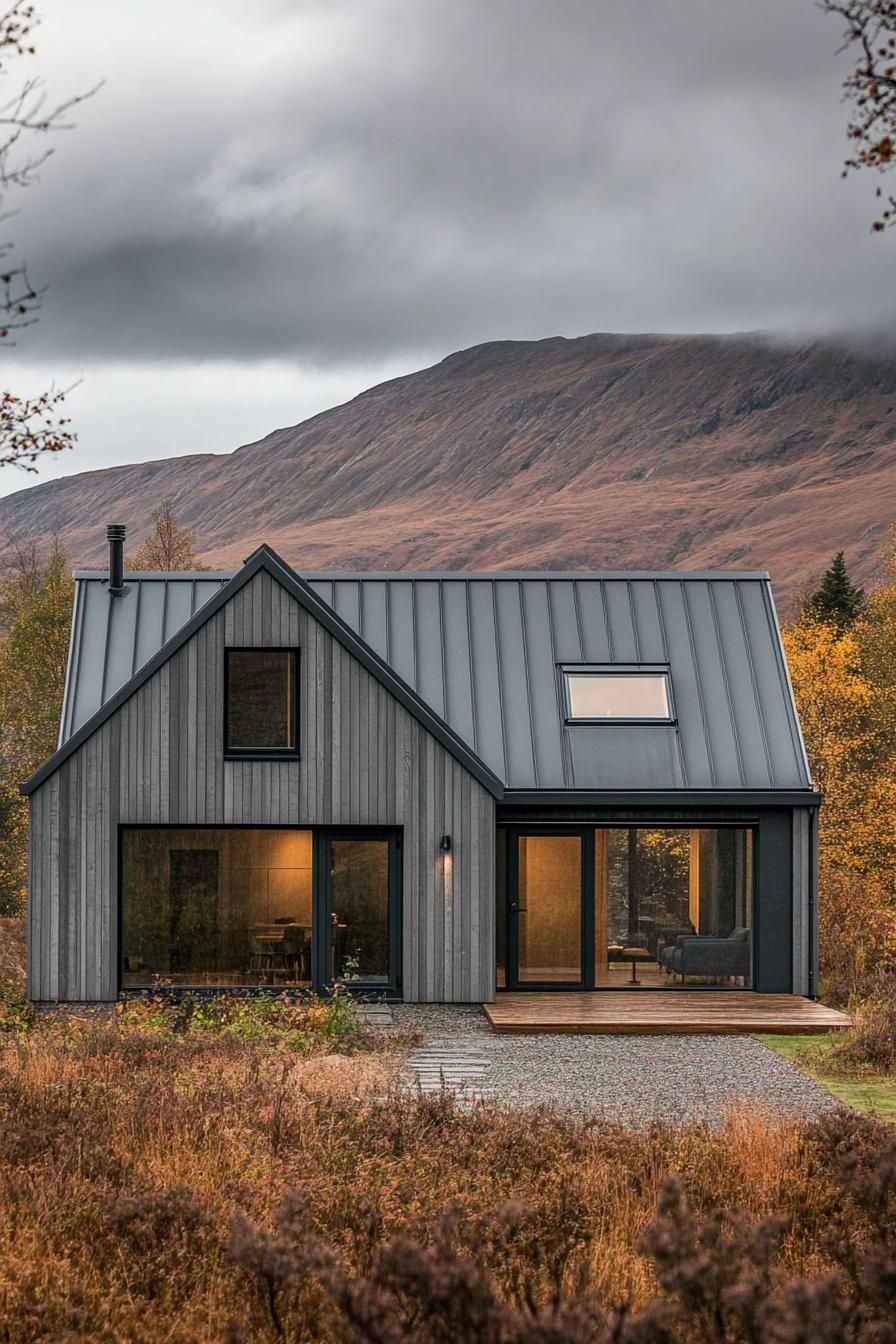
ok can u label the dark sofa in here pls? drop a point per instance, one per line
(709, 957)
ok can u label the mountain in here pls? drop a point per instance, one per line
(603, 451)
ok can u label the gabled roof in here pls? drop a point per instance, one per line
(262, 559)
(482, 652)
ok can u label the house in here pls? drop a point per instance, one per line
(433, 786)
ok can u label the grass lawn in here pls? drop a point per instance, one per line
(873, 1094)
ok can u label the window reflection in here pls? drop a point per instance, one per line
(674, 906)
(359, 905)
(216, 906)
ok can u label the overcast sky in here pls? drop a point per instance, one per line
(271, 206)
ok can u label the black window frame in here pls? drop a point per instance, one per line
(762, 941)
(663, 670)
(262, 753)
(321, 981)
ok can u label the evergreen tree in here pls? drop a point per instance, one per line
(837, 601)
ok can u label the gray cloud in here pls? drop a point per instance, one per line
(368, 179)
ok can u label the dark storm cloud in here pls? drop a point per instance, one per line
(357, 180)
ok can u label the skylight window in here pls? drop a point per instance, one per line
(595, 695)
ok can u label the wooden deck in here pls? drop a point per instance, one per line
(634, 1012)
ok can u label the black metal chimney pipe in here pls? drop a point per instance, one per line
(115, 533)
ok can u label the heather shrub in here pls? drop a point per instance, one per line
(302, 1023)
(201, 1185)
(181, 1170)
(870, 1044)
(719, 1278)
(857, 933)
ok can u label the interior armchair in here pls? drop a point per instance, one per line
(712, 958)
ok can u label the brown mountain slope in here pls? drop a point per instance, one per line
(599, 452)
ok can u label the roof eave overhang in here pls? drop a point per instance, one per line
(662, 798)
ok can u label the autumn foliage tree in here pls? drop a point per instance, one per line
(35, 622)
(844, 680)
(35, 617)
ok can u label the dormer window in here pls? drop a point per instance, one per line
(617, 695)
(261, 714)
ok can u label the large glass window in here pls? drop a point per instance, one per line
(228, 906)
(261, 701)
(673, 906)
(595, 695)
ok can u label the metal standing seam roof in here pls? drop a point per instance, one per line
(484, 651)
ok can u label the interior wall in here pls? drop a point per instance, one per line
(550, 891)
(261, 876)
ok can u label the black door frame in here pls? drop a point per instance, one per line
(760, 937)
(586, 837)
(322, 981)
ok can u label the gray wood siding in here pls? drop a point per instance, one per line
(364, 761)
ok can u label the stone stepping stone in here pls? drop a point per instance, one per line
(453, 1069)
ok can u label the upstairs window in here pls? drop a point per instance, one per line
(261, 702)
(623, 695)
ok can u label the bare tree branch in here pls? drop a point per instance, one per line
(870, 89)
(32, 426)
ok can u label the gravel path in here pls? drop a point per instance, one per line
(678, 1079)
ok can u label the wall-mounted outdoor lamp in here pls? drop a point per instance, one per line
(445, 844)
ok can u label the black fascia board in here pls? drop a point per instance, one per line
(662, 798)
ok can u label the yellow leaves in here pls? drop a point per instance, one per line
(845, 688)
(35, 614)
(833, 697)
(847, 714)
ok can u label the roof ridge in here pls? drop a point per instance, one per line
(432, 575)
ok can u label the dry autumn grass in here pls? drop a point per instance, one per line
(256, 1174)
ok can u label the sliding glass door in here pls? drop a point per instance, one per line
(625, 906)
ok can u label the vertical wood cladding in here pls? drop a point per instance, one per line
(364, 761)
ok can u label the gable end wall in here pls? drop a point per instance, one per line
(365, 761)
